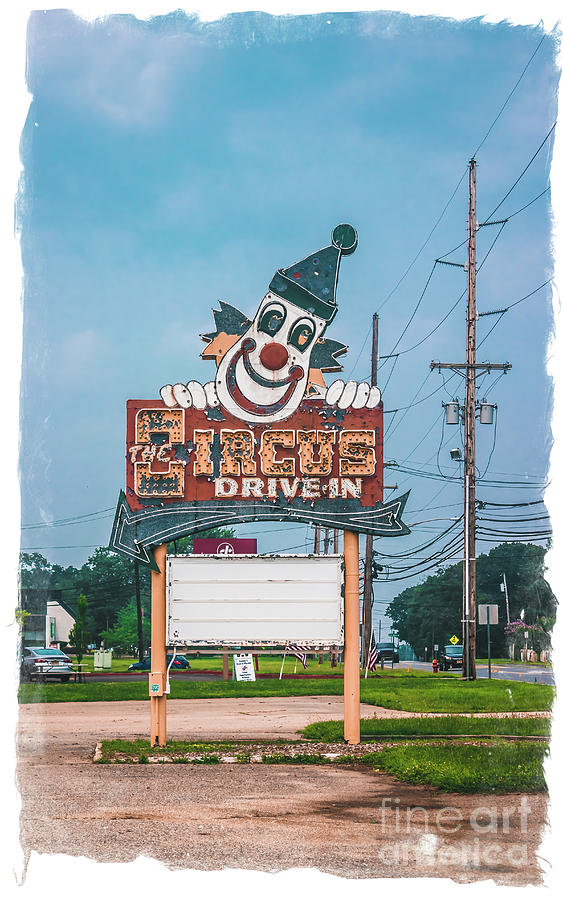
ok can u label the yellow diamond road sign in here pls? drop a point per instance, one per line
(454, 639)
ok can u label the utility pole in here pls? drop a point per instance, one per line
(506, 598)
(317, 544)
(326, 541)
(469, 370)
(469, 460)
(368, 558)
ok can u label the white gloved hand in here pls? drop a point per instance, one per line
(190, 394)
(352, 394)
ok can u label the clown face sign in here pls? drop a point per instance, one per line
(275, 360)
(267, 439)
(263, 377)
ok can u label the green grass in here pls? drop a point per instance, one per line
(142, 745)
(486, 768)
(332, 731)
(492, 767)
(407, 691)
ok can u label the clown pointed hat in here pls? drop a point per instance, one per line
(311, 283)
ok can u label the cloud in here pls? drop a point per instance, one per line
(115, 69)
(80, 355)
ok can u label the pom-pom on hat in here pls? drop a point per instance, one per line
(311, 283)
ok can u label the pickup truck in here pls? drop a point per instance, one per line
(450, 657)
(387, 652)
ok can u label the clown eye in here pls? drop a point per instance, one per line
(302, 334)
(271, 319)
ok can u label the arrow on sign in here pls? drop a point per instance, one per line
(134, 532)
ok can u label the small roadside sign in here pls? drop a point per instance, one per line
(492, 609)
(244, 667)
(454, 639)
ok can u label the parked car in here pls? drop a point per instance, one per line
(387, 652)
(39, 663)
(450, 657)
(180, 662)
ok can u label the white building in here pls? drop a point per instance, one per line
(59, 621)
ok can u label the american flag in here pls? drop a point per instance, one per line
(300, 652)
(373, 656)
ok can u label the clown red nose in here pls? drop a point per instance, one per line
(274, 356)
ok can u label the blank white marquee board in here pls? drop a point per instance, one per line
(255, 599)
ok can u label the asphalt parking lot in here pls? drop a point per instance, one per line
(351, 821)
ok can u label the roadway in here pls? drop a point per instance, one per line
(514, 672)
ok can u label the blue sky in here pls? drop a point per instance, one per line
(169, 164)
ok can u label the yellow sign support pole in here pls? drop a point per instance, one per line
(351, 638)
(157, 679)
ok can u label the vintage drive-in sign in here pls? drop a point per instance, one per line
(266, 439)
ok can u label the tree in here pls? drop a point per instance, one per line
(36, 572)
(108, 579)
(431, 612)
(110, 582)
(78, 634)
(123, 636)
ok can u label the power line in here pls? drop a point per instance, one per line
(506, 102)
(405, 273)
(503, 222)
(522, 173)
(454, 551)
(522, 208)
(495, 472)
(456, 303)
(71, 520)
(511, 505)
(398, 341)
(407, 553)
(63, 547)
(518, 519)
(439, 219)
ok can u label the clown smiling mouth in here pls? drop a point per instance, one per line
(294, 375)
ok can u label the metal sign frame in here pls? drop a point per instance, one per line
(300, 598)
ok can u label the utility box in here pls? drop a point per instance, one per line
(102, 659)
(156, 684)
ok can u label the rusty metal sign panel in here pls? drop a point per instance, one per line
(246, 600)
(266, 439)
(225, 546)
